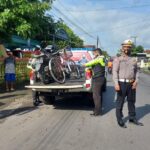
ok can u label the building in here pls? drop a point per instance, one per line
(143, 59)
(147, 53)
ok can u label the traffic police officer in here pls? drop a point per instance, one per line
(98, 68)
(125, 76)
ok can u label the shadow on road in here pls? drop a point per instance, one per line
(10, 95)
(109, 99)
(81, 103)
(18, 111)
(143, 111)
(2, 103)
(73, 103)
(18, 87)
(140, 112)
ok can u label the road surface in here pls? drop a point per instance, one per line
(68, 125)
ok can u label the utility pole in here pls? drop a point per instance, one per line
(134, 37)
(97, 41)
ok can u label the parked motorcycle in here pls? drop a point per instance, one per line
(39, 66)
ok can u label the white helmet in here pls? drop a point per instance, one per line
(128, 42)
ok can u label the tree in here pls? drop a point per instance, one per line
(136, 49)
(47, 29)
(21, 17)
(105, 53)
(74, 40)
(27, 19)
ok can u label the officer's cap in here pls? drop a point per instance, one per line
(127, 43)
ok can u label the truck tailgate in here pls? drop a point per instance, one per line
(69, 84)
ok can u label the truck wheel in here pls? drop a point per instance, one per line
(48, 100)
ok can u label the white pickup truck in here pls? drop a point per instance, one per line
(71, 87)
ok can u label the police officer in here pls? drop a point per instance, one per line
(125, 76)
(98, 68)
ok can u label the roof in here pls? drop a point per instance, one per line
(147, 51)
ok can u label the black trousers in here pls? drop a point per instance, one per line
(126, 91)
(97, 93)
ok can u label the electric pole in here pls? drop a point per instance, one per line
(97, 41)
(134, 37)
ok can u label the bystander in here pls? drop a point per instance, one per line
(10, 76)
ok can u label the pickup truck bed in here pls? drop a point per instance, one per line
(76, 85)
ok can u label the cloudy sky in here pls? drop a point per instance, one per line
(112, 21)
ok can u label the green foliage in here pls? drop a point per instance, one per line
(1, 53)
(75, 41)
(21, 17)
(27, 19)
(136, 49)
(46, 29)
(105, 53)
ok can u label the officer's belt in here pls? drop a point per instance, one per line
(126, 80)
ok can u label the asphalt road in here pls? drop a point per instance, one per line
(68, 125)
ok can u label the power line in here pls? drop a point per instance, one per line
(73, 23)
(77, 26)
(70, 13)
(54, 15)
(85, 18)
(104, 9)
(106, 0)
(125, 26)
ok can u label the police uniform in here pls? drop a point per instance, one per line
(125, 72)
(98, 68)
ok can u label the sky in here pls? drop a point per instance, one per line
(113, 21)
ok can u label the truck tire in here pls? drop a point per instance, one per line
(48, 100)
